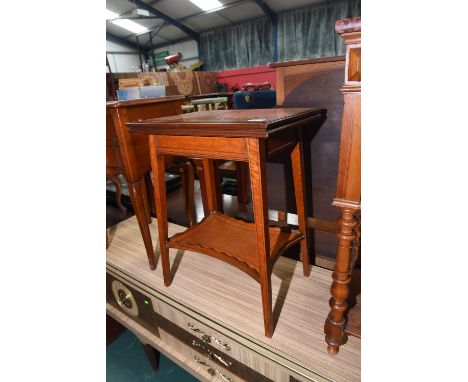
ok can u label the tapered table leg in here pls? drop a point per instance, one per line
(297, 159)
(146, 201)
(201, 177)
(150, 192)
(210, 179)
(241, 185)
(256, 153)
(335, 323)
(187, 174)
(137, 196)
(158, 167)
(218, 188)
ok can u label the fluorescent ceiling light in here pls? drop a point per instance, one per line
(207, 5)
(125, 23)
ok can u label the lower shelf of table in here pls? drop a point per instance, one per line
(233, 241)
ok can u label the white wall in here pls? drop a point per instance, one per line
(121, 58)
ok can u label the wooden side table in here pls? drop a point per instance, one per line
(348, 190)
(129, 153)
(242, 135)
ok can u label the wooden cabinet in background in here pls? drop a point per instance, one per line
(128, 154)
(348, 190)
(312, 83)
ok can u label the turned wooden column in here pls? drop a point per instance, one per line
(348, 193)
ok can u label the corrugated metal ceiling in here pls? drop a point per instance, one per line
(193, 17)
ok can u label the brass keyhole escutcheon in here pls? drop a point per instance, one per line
(124, 298)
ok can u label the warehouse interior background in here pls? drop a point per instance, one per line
(237, 34)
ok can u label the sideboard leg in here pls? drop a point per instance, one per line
(153, 355)
(137, 194)
(336, 321)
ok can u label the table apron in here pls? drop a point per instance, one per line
(203, 147)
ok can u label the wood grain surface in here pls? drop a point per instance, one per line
(302, 84)
(259, 123)
(228, 300)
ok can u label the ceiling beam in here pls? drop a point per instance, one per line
(133, 18)
(182, 19)
(170, 20)
(152, 36)
(121, 41)
(172, 42)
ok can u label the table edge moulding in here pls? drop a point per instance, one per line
(348, 193)
(248, 135)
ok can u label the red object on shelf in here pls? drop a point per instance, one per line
(173, 58)
(256, 86)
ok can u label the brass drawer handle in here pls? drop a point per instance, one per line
(211, 355)
(206, 338)
(200, 361)
(220, 359)
(225, 346)
(196, 330)
(212, 371)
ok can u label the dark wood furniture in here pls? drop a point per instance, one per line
(308, 83)
(348, 191)
(128, 154)
(242, 135)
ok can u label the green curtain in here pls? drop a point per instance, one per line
(240, 46)
(302, 33)
(310, 32)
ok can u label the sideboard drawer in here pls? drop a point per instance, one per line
(221, 345)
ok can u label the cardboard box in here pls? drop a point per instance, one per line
(153, 91)
(128, 93)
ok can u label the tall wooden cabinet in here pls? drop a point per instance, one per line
(348, 190)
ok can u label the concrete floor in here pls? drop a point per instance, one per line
(126, 362)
